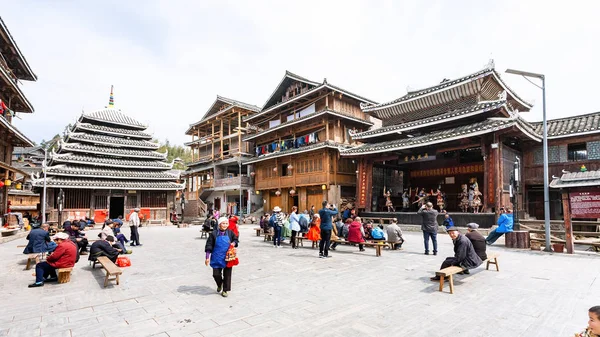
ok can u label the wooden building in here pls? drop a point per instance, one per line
(13, 68)
(465, 132)
(106, 165)
(297, 135)
(218, 169)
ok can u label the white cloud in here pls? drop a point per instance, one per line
(169, 59)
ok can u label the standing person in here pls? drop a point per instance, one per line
(134, 223)
(277, 220)
(477, 240)
(394, 235)
(64, 256)
(429, 226)
(312, 212)
(505, 225)
(217, 245)
(356, 233)
(326, 227)
(39, 241)
(294, 225)
(593, 329)
(464, 253)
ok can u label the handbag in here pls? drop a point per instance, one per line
(123, 261)
(231, 257)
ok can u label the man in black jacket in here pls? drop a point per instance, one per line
(104, 248)
(464, 254)
(477, 240)
(429, 226)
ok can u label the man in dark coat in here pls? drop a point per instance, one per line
(39, 241)
(429, 226)
(78, 237)
(464, 253)
(104, 248)
(477, 240)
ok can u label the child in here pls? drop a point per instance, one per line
(593, 329)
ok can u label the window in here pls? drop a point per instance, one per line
(274, 123)
(267, 172)
(131, 201)
(577, 152)
(310, 165)
(154, 199)
(75, 198)
(285, 171)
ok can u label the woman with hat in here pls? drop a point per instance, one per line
(219, 242)
(64, 256)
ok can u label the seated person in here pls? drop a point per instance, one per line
(210, 223)
(39, 241)
(104, 247)
(377, 233)
(477, 240)
(76, 235)
(356, 233)
(464, 253)
(120, 237)
(64, 256)
(107, 230)
(81, 224)
(448, 222)
(394, 235)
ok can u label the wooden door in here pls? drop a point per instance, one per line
(274, 200)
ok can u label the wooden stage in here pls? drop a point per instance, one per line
(484, 220)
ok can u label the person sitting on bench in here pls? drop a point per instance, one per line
(505, 225)
(477, 240)
(64, 256)
(120, 237)
(39, 241)
(377, 233)
(464, 253)
(77, 236)
(394, 235)
(104, 247)
(356, 233)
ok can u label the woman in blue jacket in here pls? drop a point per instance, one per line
(505, 225)
(217, 245)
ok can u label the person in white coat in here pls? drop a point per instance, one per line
(294, 225)
(134, 223)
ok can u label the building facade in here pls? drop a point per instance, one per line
(218, 171)
(105, 166)
(13, 68)
(297, 137)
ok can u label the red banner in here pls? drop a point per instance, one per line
(585, 204)
(362, 185)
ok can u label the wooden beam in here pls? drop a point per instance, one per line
(568, 224)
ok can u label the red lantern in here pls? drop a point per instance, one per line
(1, 183)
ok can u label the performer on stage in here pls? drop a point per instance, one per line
(476, 198)
(422, 198)
(388, 200)
(464, 199)
(440, 199)
(405, 200)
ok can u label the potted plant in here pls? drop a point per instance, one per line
(558, 247)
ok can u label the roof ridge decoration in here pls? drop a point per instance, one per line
(451, 115)
(114, 117)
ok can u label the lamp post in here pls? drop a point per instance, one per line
(44, 166)
(515, 177)
(528, 75)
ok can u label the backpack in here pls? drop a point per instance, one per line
(273, 220)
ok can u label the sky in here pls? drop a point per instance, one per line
(168, 60)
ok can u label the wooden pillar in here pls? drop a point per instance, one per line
(221, 136)
(568, 224)
(213, 140)
(326, 121)
(239, 131)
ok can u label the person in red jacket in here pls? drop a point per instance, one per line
(233, 225)
(356, 233)
(64, 256)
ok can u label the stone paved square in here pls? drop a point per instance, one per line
(283, 292)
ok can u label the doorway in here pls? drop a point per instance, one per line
(117, 207)
(217, 204)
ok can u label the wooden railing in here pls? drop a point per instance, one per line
(232, 181)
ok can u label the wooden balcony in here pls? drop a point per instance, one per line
(233, 182)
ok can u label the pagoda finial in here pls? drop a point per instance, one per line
(111, 100)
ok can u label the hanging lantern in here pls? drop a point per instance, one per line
(292, 191)
(18, 186)
(277, 193)
(257, 192)
(275, 169)
(290, 167)
(1, 184)
(253, 173)
(323, 187)
(7, 182)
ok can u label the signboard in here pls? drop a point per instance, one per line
(467, 169)
(585, 204)
(362, 185)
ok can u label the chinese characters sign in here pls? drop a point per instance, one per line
(362, 185)
(585, 204)
(477, 168)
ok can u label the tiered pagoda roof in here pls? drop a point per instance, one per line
(107, 149)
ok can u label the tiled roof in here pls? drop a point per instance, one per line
(112, 131)
(312, 147)
(307, 117)
(62, 182)
(109, 162)
(577, 179)
(112, 173)
(570, 126)
(200, 168)
(436, 137)
(111, 151)
(214, 109)
(198, 162)
(115, 117)
(27, 73)
(441, 118)
(19, 138)
(112, 141)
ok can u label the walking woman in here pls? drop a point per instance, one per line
(294, 225)
(219, 242)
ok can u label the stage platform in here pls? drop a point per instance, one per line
(484, 220)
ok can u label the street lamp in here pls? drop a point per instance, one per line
(44, 167)
(525, 75)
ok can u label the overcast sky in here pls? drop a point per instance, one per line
(169, 59)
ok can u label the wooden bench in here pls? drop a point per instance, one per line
(111, 270)
(377, 245)
(204, 234)
(258, 230)
(33, 259)
(64, 274)
(450, 271)
(268, 237)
